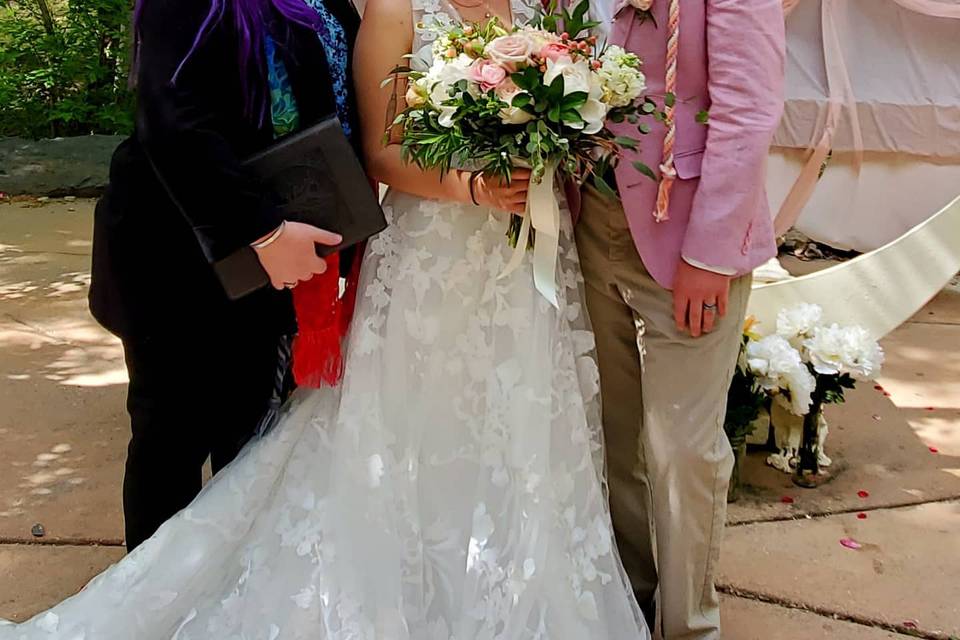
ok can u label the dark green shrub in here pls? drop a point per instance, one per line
(63, 67)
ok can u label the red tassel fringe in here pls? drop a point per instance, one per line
(323, 318)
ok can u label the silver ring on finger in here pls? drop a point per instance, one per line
(710, 307)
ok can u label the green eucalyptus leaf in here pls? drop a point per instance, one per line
(645, 170)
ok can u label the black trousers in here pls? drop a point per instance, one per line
(190, 398)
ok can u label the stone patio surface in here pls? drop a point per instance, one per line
(783, 574)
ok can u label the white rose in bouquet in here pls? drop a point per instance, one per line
(579, 77)
(594, 114)
(836, 350)
(620, 77)
(778, 366)
(798, 322)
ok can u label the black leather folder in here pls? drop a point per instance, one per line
(315, 178)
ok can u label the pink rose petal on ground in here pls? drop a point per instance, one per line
(934, 450)
(862, 516)
(878, 387)
(850, 543)
(786, 500)
(911, 624)
(931, 409)
(863, 494)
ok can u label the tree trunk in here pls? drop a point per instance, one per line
(46, 16)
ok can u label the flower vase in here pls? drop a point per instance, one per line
(808, 473)
(739, 458)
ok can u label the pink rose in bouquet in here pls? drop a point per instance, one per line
(507, 91)
(554, 51)
(488, 74)
(510, 51)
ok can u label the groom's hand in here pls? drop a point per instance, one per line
(699, 298)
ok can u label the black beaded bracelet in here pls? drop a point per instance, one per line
(473, 182)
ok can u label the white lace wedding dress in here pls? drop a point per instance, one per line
(450, 489)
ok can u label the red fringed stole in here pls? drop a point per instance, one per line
(323, 317)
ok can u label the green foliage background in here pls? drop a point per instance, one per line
(63, 67)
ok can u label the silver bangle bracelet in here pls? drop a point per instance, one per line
(269, 240)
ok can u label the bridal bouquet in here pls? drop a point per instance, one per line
(535, 96)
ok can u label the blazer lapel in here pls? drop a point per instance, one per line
(622, 26)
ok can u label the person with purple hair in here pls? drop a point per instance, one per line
(216, 81)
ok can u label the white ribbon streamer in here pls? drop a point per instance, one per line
(543, 215)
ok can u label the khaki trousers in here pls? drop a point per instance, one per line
(664, 398)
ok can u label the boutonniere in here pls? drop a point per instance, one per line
(643, 9)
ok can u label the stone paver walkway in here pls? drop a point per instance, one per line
(784, 573)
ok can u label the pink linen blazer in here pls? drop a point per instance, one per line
(731, 63)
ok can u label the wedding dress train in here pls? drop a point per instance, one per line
(450, 489)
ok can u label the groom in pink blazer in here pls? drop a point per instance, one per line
(667, 289)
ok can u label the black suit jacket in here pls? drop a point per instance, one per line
(153, 239)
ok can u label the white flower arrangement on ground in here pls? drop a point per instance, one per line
(812, 362)
(802, 366)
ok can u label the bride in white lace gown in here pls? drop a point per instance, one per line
(450, 489)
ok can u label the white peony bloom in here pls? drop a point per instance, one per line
(445, 73)
(800, 384)
(837, 350)
(770, 358)
(778, 366)
(620, 77)
(798, 321)
(439, 81)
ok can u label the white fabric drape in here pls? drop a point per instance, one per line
(868, 76)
